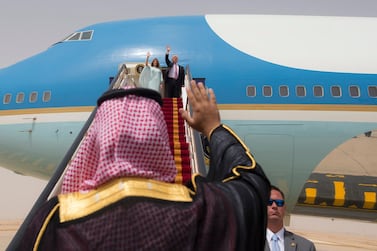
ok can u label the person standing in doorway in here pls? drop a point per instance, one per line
(174, 77)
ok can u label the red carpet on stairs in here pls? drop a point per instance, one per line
(177, 138)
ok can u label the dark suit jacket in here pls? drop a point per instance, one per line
(294, 242)
(181, 74)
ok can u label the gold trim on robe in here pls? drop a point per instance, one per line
(79, 204)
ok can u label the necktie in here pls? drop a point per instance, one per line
(175, 71)
(275, 244)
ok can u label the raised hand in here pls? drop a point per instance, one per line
(205, 114)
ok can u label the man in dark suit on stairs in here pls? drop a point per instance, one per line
(175, 76)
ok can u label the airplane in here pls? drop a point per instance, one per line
(292, 87)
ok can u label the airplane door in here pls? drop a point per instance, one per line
(279, 157)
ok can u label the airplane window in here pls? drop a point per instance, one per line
(86, 35)
(267, 91)
(336, 91)
(354, 91)
(20, 97)
(251, 91)
(46, 96)
(33, 97)
(318, 91)
(372, 91)
(283, 91)
(75, 36)
(300, 91)
(7, 98)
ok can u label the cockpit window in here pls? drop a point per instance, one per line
(79, 36)
(86, 35)
(75, 36)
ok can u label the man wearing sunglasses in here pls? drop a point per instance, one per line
(277, 237)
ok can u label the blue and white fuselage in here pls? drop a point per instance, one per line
(292, 87)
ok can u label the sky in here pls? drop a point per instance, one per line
(29, 27)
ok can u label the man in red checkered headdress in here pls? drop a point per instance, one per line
(118, 192)
(128, 138)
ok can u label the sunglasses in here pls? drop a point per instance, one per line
(278, 203)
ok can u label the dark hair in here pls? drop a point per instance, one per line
(278, 189)
(158, 63)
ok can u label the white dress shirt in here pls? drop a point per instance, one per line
(280, 234)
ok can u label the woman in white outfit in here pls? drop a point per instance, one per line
(151, 76)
